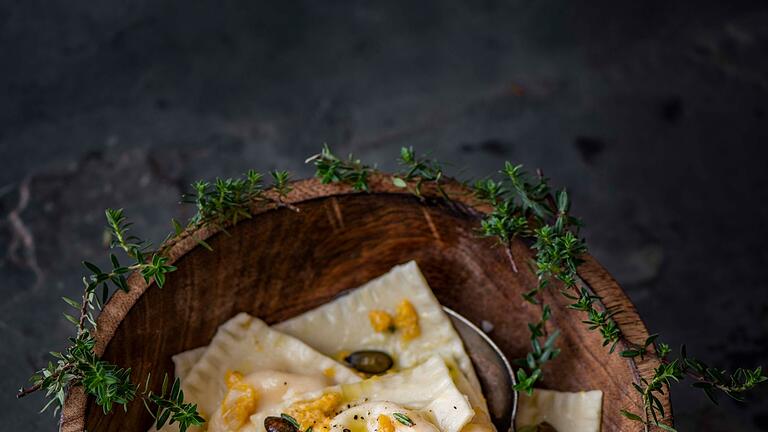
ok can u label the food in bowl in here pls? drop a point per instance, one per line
(384, 357)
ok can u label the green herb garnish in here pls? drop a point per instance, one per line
(222, 203)
(280, 182)
(170, 407)
(404, 419)
(291, 420)
(331, 169)
(524, 207)
(418, 170)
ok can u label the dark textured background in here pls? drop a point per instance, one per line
(653, 113)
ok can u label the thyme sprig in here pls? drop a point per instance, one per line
(109, 384)
(525, 207)
(530, 370)
(281, 183)
(224, 202)
(151, 265)
(228, 201)
(169, 406)
(522, 209)
(712, 381)
(418, 170)
(332, 169)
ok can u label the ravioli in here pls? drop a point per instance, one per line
(358, 321)
(246, 345)
(481, 422)
(427, 389)
(185, 361)
(566, 412)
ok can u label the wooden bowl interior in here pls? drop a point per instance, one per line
(282, 263)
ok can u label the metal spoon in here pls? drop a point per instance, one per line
(493, 371)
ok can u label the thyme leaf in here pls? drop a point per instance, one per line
(291, 420)
(404, 419)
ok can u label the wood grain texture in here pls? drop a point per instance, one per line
(281, 263)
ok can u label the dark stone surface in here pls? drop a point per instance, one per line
(653, 113)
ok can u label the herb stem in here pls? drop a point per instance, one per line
(37, 386)
(508, 250)
(280, 202)
(29, 390)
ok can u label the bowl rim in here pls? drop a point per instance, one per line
(591, 273)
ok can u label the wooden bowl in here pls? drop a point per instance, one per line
(281, 263)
